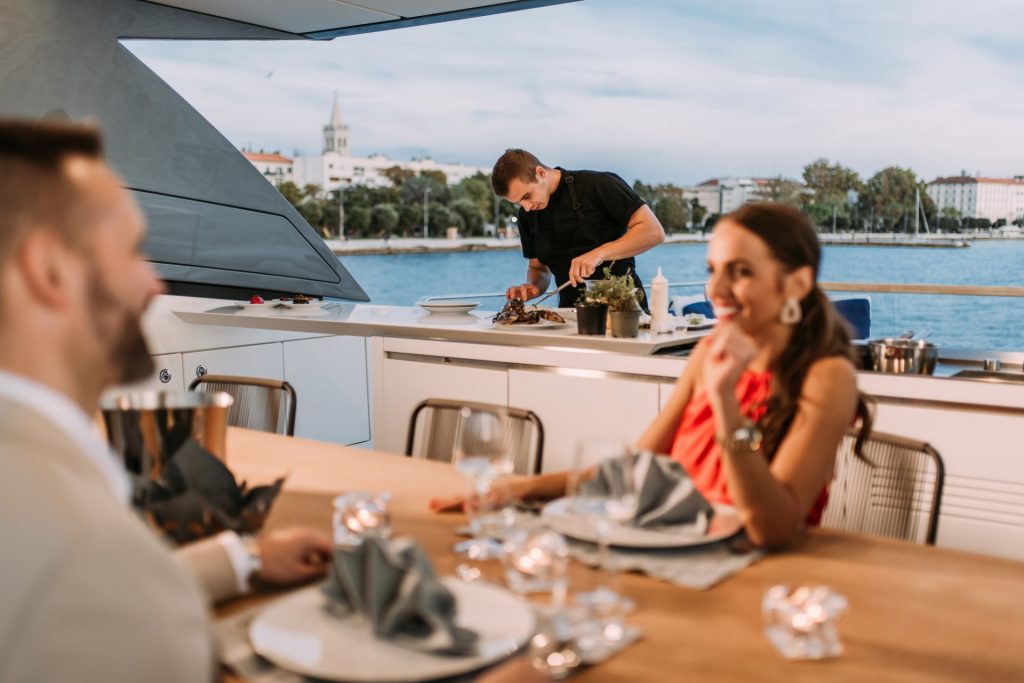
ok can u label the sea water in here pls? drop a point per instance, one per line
(965, 322)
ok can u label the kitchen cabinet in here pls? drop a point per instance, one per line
(259, 360)
(407, 379)
(167, 375)
(581, 404)
(329, 378)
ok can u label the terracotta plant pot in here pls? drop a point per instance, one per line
(592, 318)
(625, 323)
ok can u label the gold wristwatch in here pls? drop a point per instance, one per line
(744, 439)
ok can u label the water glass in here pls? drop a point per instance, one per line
(800, 621)
(359, 514)
(536, 561)
(483, 453)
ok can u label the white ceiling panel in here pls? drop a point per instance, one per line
(293, 16)
(311, 16)
(421, 8)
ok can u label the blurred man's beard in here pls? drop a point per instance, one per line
(128, 354)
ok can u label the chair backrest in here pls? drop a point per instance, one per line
(895, 494)
(857, 314)
(434, 426)
(702, 307)
(267, 405)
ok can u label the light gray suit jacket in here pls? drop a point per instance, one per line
(87, 591)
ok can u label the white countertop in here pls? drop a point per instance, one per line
(368, 320)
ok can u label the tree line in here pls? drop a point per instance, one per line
(834, 196)
(398, 209)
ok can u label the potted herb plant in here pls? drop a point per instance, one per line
(592, 309)
(623, 304)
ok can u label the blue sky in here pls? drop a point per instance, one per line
(661, 90)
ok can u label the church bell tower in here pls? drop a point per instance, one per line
(335, 132)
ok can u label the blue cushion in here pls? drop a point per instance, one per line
(701, 307)
(857, 314)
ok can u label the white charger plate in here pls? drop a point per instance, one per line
(448, 307)
(298, 634)
(541, 325)
(560, 516)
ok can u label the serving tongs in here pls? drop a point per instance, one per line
(550, 294)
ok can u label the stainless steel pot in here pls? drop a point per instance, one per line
(903, 356)
(147, 428)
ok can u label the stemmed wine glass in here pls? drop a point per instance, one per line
(610, 503)
(483, 453)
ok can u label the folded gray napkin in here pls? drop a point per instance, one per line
(665, 493)
(392, 584)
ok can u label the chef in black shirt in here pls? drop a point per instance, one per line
(572, 222)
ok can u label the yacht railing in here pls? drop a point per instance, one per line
(964, 317)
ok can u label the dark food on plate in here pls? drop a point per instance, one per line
(299, 299)
(515, 313)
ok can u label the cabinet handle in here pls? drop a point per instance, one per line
(165, 375)
(200, 370)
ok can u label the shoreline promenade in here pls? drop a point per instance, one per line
(420, 245)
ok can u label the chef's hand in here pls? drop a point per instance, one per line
(293, 555)
(523, 292)
(583, 266)
(729, 352)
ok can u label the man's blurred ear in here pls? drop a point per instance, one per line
(48, 268)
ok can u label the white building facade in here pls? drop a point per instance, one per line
(722, 195)
(335, 168)
(978, 197)
(276, 167)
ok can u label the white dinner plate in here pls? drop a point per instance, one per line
(448, 307)
(560, 516)
(298, 634)
(541, 325)
(703, 324)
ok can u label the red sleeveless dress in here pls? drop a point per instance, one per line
(694, 446)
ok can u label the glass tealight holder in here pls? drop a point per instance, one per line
(801, 621)
(359, 514)
(536, 561)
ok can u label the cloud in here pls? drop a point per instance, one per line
(653, 89)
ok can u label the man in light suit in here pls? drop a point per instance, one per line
(87, 592)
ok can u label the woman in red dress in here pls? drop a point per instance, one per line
(759, 412)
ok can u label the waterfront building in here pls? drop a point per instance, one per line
(980, 197)
(722, 195)
(334, 167)
(276, 167)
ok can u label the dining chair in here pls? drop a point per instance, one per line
(434, 426)
(895, 493)
(267, 405)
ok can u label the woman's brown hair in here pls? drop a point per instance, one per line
(793, 241)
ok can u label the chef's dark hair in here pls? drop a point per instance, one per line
(514, 164)
(821, 333)
(35, 189)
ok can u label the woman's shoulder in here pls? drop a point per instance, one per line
(829, 375)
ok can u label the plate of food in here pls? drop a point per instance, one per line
(297, 634)
(698, 321)
(564, 516)
(515, 315)
(452, 307)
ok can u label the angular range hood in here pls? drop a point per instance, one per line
(217, 228)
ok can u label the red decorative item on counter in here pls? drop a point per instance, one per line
(256, 299)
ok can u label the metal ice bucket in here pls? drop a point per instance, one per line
(148, 428)
(903, 356)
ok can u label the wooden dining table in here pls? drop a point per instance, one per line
(916, 613)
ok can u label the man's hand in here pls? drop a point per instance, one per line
(293, 555)
(583, 266)
(523, 292)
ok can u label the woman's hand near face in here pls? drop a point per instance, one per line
(729, 351)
